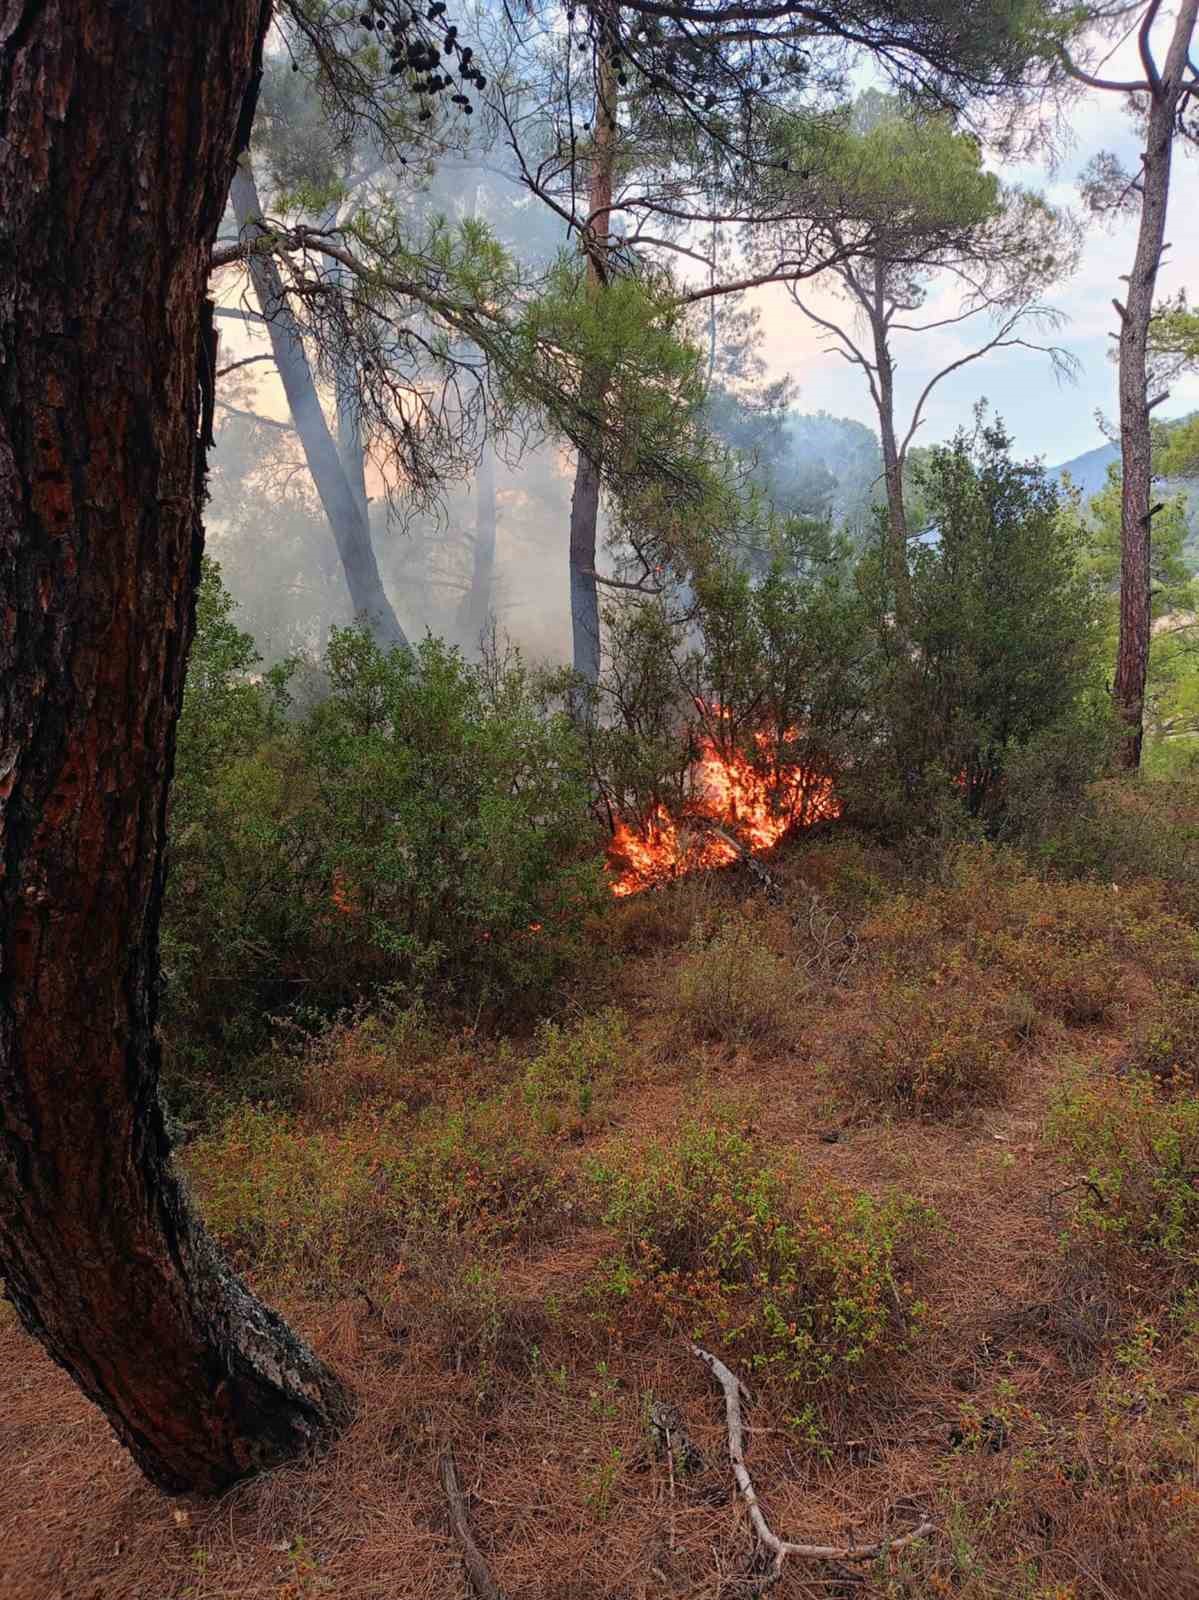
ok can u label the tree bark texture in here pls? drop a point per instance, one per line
(343, 506)
(584, 504)
(119, 127)
(1132, 651)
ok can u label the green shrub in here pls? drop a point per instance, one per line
(569, 1080)
(1139, 1155)
(1001, 628)
(733, 988)
(324, 1208)
(1133, 829)
(1165, 1041)
(423, 827)
(800, 1273)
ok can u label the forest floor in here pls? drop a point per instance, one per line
(1032, 1391)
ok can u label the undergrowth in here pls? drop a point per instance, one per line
(803, 1277)
(1137, 1151)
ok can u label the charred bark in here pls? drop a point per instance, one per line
(344, 507)
(119, 129)
(1132, 652)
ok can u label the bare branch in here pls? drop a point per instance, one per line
(782, 1548)
(246, 361)
(484, 1584)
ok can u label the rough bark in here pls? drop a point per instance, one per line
(344, 507)
(119, 127)
(1132, 652)
(584, 505)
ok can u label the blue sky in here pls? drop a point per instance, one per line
(1046, 418)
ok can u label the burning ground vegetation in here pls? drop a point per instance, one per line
(912, 1154)
(735, 805)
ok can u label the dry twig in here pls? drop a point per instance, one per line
(782, 1548)
(484, 1584)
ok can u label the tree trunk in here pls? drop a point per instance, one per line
(897, 520)
(1132, 653)
(584, 505)
(477, 605)
(343, 507)
(119, 128)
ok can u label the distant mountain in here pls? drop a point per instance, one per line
(1088, 472)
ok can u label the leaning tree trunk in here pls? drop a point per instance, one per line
(119, 127)
(345, 510)
(584, 505)
(1132, 651)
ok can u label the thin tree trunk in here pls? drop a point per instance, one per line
(343, 502)
(1132, 653)
(477, 606)
(119, 128)
(584, 505)
(897, 519)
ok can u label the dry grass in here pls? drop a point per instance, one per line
(1044, 1413)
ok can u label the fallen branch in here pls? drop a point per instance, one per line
(762, 874)
(483, 1583)
(782, 1548)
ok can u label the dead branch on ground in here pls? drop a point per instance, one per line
(782, 1548)
(483, 1583)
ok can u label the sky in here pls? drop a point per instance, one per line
(1046, 418)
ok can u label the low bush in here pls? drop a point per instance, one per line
(382, 1057)
(568, 1082)
(800, 1273)
(1078, 985)
(324, 1209)
(731, 987)
(1138, 1151)
(934, 1054)
(1165, 1041)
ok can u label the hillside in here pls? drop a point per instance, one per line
(875, 1146)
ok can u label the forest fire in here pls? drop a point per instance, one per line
(726, 792)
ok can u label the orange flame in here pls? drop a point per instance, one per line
(727, 789)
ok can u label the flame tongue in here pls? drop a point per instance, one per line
(726, 789)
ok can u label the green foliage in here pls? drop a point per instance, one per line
(908, 174)
(1172, 688)
(322, 1208)
(801, 1274)
(1139, 1153)
(1004, 626)
(570, 1077)
(732, 987)
(1165, 1041)
(228, 710)
(424, 825)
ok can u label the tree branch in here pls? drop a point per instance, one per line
(782, 1548)
(484, 1584)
